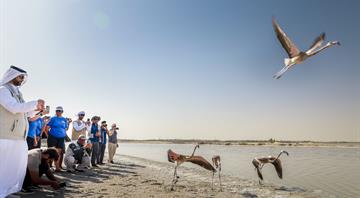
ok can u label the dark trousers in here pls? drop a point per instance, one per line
(43, 168)
(30, 143)
(102, 152)
(95, 153)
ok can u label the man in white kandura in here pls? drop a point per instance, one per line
(79, 126)
(14, 112)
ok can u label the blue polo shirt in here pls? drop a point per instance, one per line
(94, 130)
(32, 128)
(40, 124)
(58, 126)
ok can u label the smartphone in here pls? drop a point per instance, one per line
(47, 109)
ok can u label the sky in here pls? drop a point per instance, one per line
(190, 69)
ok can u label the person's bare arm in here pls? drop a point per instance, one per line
(43, 131)
(32, 119)
(47, 128)
(35, 179)
(50, 176)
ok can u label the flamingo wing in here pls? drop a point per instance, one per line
(278, 167)
(285, 41)
(201, 162)
(256, 163)
(317, 43)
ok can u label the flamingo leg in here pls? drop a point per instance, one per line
(175, 178)
(212, 181)
(220, 179)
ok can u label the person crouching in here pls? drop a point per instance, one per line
(77, 155)
(37, 166)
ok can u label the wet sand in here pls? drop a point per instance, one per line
(137, 177)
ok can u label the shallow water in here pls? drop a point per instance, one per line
(334, 171)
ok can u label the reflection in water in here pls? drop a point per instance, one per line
(332, 170)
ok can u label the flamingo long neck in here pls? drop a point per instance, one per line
(279, 155)
(194, 151)
(329, 44)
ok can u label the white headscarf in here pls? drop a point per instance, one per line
(12, 73)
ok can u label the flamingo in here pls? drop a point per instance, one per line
(199, 160)
(217, 163)
(260, 162)
(295, 55)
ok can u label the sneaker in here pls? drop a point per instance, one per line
(79, 170)
(112, 162)
(94, 165)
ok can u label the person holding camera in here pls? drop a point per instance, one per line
(79, 126)
(77, 155)
(38, 164)
(58, 126)
(36, 126)
(112, 145)
(14, 112)
(103, 140)
(94, 139)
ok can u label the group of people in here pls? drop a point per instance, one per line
(24, 124)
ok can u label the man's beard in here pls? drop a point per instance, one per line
(17, 83)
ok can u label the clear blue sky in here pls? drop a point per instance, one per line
(190, 69)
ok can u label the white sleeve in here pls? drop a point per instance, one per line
(10, 103)
(68, 152)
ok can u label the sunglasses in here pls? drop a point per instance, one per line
(59, 111)
(81, 114)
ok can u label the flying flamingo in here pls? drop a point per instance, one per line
(295, 55)
(260, 162)
(199, 160)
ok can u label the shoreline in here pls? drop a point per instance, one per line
(137, 177)
(250, 143)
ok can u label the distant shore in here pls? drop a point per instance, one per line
(270, 142)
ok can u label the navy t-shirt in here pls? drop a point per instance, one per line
(103, 136)
(58, 127)
(94, 130)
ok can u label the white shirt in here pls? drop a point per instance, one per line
(79, 125)
(12, 105)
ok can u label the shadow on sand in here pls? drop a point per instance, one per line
(76, 181)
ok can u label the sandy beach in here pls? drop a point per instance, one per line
(137, 177)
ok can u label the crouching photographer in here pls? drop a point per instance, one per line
(77, 155)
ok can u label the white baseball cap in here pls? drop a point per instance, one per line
(59, 108)
(81, 113)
